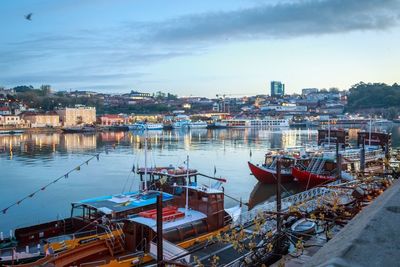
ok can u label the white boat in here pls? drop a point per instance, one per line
(148, 126)
(255, 123)
(197, 124)
(180, 124)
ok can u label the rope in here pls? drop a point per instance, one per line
(65, 175)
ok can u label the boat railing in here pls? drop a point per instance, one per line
(120, 232)
(249, 216)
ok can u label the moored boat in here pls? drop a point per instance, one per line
(268, 175)
(79, 129)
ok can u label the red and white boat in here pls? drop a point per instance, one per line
(268, 175)
(266, 172)
(310, 179)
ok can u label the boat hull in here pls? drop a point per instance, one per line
(310, 179)
(267, 176)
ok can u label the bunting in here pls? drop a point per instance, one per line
(66, 175)
(31, 195)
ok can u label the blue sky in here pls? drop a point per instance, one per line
(198, 47)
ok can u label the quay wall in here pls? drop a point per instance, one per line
(372, 238)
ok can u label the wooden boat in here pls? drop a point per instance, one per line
(84, 225)
(266, 172)
(268, 175)
(310, 179)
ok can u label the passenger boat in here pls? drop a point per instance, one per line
(145, 126)
(198, 124)
(179, 124)
(254, 123)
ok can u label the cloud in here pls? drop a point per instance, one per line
(117, 55)
(284, 20)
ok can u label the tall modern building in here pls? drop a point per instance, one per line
(277, 89)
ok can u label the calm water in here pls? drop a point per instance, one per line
(30, 161)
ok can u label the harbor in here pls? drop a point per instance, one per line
(249, 230)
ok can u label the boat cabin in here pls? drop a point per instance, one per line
(87, 214)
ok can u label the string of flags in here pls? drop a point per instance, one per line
(65, 176)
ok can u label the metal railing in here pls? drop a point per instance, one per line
(249, 216)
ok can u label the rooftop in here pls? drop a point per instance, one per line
(123, 202)
(190, 216)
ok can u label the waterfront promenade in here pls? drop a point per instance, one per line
(370, 239)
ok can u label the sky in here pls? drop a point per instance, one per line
(199, 48)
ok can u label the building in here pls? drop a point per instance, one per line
(277, 89)
(307, 91)
(112, 119)
(10, 120)
(5, 111)
(49, 119)
(77, 115)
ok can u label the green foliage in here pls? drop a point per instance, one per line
(373, 95)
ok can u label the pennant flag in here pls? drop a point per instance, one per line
(66, 176)
(87, 162)
(251, 153)
(43, 188)
(78, 168)
(19, 202)
(215, 170)
(133, 168)
(31, 195)
(4, 211)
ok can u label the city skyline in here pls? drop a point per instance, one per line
(199, 48)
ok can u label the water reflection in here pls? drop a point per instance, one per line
(30, 160)
(267, 192)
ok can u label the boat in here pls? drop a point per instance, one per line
(253, 123)
(303, 227)
(118, 127)
(180, 124)
(79, 129)
(85, 225)
(145, 126)
(12, 131)
(166, 170)
(311, 179)
(198, 124)
(267, 174)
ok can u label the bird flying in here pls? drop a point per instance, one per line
(29, 16)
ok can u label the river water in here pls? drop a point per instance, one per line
(29, 161)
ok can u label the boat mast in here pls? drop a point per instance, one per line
(187, 185)
(145, 158)
(329, 132)
(370, 129)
